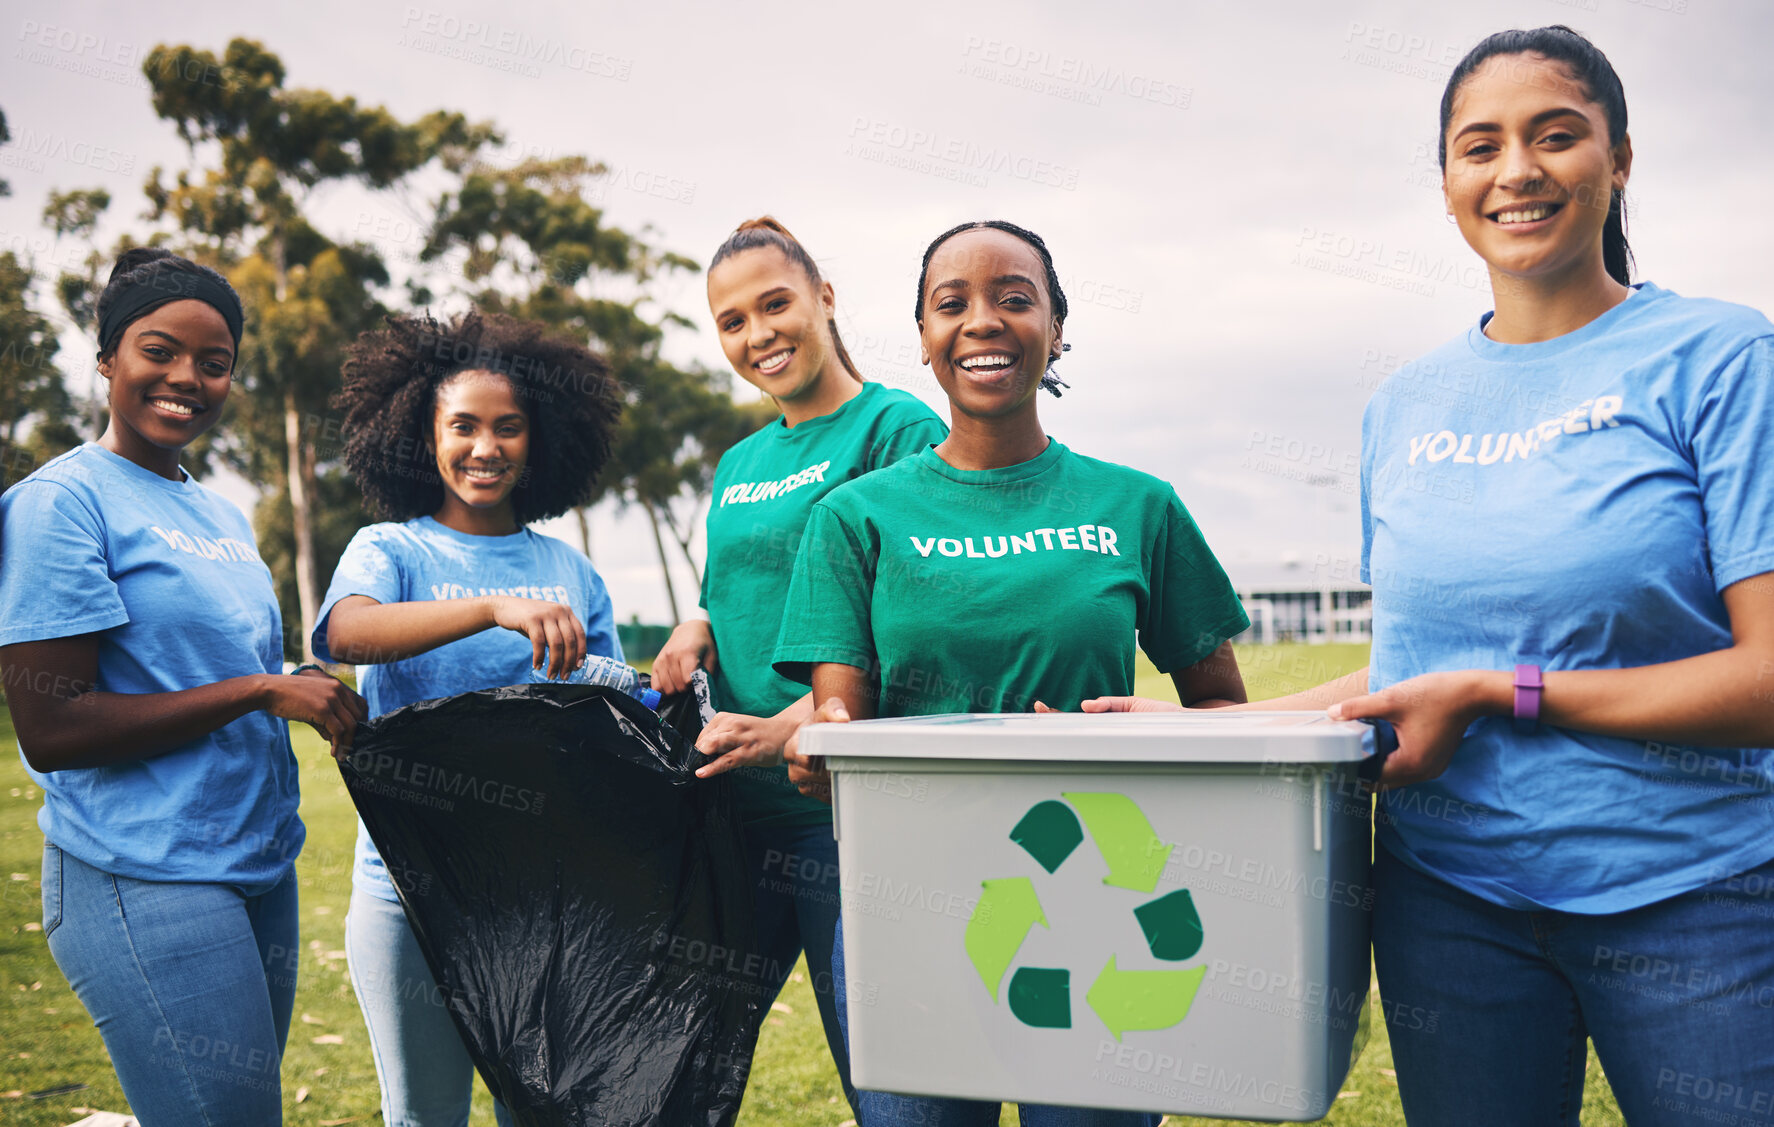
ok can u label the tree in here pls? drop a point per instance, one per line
(36, 412)
(534, 248)
(307, 296)
(75, 214)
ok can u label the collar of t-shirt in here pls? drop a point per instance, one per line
(1643, 296)
(780, 431)
(184, 487)
(432, 527)
(1001, 475)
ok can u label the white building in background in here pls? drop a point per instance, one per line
(1295, 604)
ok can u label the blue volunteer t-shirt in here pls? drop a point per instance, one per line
(167, 575)
(1577, 503)
(421, 559)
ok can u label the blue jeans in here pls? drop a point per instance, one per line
(883, 1109)
(191, 986)
(426, 1074)
(795, 885)
(1489, 1009)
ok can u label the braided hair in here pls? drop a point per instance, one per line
(1049, 379)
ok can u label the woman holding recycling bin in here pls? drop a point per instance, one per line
(999, 571)
(1578, 663)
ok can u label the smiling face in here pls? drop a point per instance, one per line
(169, 376)
(989, 329)
(1529, 171)
(481, 436)
(773, 324)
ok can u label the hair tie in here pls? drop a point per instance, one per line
(161, 284)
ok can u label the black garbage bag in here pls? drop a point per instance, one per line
(581, 897)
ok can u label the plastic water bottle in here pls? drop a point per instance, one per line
(606, 671)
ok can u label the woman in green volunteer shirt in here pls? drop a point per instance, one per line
(999, 569)
(774, 314)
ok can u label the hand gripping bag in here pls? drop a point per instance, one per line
(581, 897)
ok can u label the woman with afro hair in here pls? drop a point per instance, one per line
(460, 433)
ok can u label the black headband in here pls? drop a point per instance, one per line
(161, 284)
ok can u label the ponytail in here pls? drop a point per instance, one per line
(1592, 71)
(765, 231)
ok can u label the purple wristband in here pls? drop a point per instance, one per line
(1528, 687)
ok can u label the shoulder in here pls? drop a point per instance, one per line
(74, 483)
(222, 512)
(876, 486)
(390, 538)
(749, 446)
(895, 409)
(1130, 484)
(1686, 347)
(558, 551)
(1725, 324)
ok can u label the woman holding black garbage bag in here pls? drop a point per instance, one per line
(143, 652)
(462, 432)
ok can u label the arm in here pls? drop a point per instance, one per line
(1212, 682)
(364, 631)
(1719, 699)
(848, 692)
(64, 722)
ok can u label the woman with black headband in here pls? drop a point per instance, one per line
(142, 652)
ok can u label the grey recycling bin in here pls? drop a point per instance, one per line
(1160, 911)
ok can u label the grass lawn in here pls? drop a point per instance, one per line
(48, 1042)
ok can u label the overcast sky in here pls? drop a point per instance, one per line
(1242, 198)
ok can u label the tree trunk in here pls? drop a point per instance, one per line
(300, 473)
(683, 538)
(584, 531)
(664, 562)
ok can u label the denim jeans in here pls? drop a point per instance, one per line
(796, 890)
(1489, 1009)
(882, 1109)
(426, 1074)
(191, 986)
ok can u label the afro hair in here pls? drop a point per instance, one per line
(389, 399)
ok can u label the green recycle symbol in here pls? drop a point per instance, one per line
(1008, 908)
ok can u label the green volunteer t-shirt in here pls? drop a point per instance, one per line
(987, 590)
(764, 488)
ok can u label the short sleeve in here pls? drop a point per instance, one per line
(55, 579)
(907, 441)
(827, 615)
(366, 568)
(1736, 475)
(1191, 607)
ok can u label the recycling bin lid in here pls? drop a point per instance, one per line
(1203, 736)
